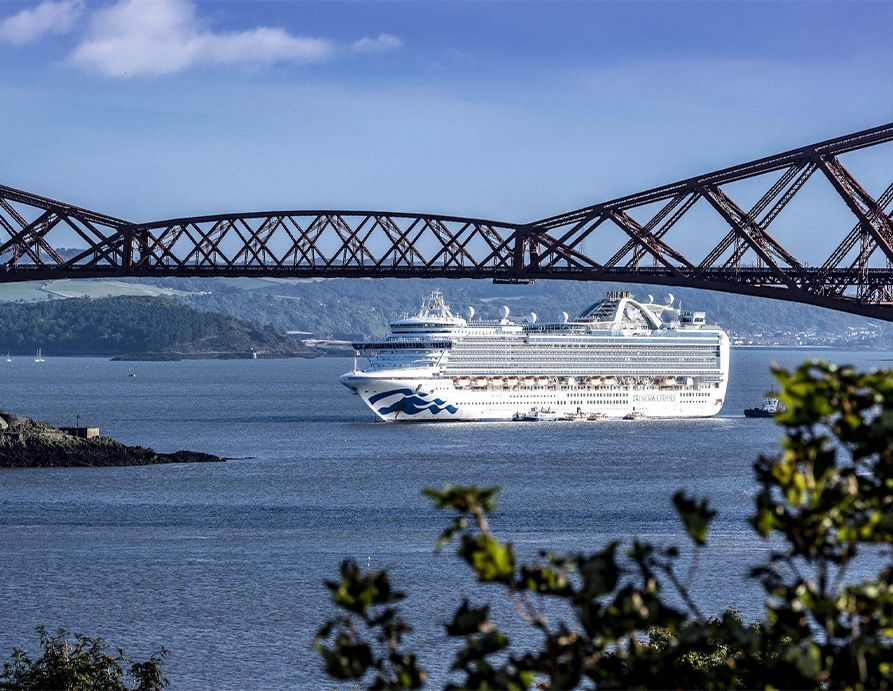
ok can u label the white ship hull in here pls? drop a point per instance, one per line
(434, 399)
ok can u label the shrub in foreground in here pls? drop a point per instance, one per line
(825, 496)
(80, 663)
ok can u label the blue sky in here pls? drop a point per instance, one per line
(155, 108)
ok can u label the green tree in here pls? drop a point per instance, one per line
(80, 663)
(825, 496)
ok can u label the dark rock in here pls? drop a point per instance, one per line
(27, 443)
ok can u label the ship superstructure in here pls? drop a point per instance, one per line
(619, 357)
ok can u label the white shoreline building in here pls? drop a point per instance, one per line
(619, 358)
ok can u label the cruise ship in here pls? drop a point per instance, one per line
(621, 358)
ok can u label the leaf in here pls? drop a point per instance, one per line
(463, 498)
(468, 620)
(696, 516)
(347, 659)
(446, 537)
(599, 573)
(357, 592)
(544, 579)
(490, 559)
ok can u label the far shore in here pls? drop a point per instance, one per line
(177, 357)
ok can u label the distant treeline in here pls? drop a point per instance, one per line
(361, 307)
(357, 308)
(130, 325)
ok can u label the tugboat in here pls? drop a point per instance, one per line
(771, 406)
(635, 415)
(540, 415)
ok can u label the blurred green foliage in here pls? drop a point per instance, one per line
(80, 663)
(636, 621)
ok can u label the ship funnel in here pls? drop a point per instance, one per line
(533, 317)
(565, 317)
(470, 313)
(505, 312)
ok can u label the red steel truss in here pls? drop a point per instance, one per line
(733, 248)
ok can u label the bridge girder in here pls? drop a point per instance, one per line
(856, 277)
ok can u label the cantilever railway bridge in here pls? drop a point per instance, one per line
(689, 233)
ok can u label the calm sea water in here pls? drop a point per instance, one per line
(223, 563)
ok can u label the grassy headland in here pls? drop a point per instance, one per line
(138, 327)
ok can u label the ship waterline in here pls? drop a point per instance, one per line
(619, 359)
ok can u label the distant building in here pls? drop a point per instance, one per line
(82, 432)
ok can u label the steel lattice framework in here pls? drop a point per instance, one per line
(741, 257)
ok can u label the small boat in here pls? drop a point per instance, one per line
(39, 357)
(132, 375)
(540, 415)
(8, 359)
(634, 415)
(596, 416)
(574, 417)
(771, 406)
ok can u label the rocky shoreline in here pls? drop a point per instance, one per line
(27, 443)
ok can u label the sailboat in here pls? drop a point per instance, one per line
(39, 357)
(8, 359)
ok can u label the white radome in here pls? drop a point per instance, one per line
(619, 359)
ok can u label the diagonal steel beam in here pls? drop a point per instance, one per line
(648, 242)
(745, 227)
(871, 215)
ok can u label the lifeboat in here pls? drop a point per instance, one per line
(496, 382)
(609, 381)
(480, 382)
(635, 415)
(668, 381)
(528, 381)
(461, 382)
(511, 382)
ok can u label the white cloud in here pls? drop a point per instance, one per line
(379, 44)
(157, 37)
(46, 18)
